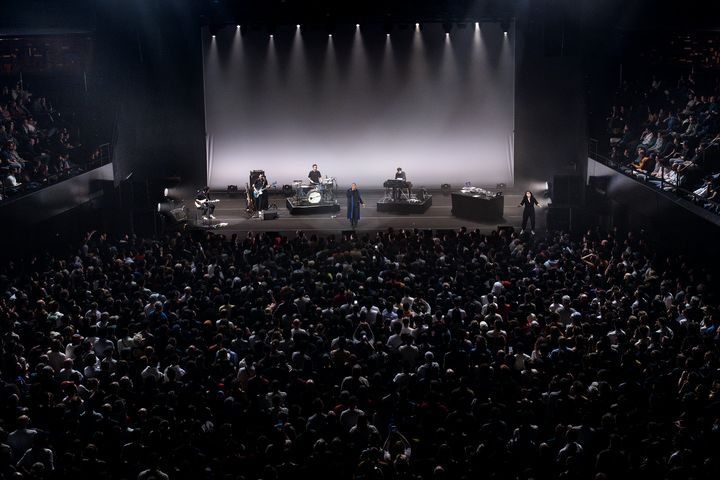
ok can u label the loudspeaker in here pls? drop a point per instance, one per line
(559, 218)
(567, 189)
(268, 214)
(287, 191)
(254, 174)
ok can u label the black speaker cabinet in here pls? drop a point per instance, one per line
(270, 214)
(567, 189)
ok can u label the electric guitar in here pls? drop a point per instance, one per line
(200, 203)
(248, 199)
(259, 191)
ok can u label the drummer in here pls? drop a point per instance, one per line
(314, 175)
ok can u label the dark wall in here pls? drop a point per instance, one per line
(149, 54)
(550, 111)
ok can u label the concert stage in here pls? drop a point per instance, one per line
(437, 216)
(413, 206)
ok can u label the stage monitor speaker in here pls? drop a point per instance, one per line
(567, 189)
(179, 214)
(270, 214)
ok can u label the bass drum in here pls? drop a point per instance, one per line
(314, 197)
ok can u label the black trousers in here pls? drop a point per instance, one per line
(528, 213)
(207, 208)
(261, 202)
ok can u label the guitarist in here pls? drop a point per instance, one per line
(204, 203)
(261, 200)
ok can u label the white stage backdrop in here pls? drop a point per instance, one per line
(360, 103)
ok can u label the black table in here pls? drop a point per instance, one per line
(477, 207)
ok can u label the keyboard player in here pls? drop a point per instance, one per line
(400, 175)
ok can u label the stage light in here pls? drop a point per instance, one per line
(417, 26)
(477, 25)
(166, 207)
(213, 35)
(238, 27)
(357, 25)
(387, 34)
(166, 192)
(297, 26)
(505, 25)
(330, 35)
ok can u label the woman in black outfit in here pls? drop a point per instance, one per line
(529, 203)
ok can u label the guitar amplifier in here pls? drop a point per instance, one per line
(254, 174)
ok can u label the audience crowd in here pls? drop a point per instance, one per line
(667, 133)
(400, 355)
(36, 147)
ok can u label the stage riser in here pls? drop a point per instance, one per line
(405, 208)
(310, 209)
(477, 209)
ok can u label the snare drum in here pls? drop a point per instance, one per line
(314, 197)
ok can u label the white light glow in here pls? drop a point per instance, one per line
(297, 26)
(357, 25)
(440, 108)
(505, 33)
(417, 25)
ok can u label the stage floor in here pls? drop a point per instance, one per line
(438, 216)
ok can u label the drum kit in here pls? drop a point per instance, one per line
(324, 191)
